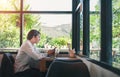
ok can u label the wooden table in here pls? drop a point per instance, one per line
(44, 63)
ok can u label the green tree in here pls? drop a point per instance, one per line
(59, 42)
(10, 25)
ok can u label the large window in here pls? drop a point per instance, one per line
(53, 18)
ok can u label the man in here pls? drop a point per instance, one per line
(26, 53)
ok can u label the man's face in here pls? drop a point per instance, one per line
(37, 38)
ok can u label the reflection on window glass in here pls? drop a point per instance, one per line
(9, 31)
(55, 28)
(9, 5)
(48, 5)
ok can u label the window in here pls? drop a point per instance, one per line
(48, 16)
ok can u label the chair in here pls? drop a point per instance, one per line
(7, 65)
(67, 69)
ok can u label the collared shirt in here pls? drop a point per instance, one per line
(27, 52)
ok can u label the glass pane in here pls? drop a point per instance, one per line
(9, 5)
(55, 28)
(9, 32)
(48, 5)
(95, 36)
(116, 33)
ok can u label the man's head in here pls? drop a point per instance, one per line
(33, 36)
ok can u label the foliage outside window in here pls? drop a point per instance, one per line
(94, 29)
(95, 33)
(116, 33)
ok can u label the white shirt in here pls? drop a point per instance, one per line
(26, 52)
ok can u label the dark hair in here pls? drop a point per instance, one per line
(32, 33)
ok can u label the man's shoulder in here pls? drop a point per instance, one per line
(26, 43)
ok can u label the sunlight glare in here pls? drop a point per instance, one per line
(93, 4)
(3, 2)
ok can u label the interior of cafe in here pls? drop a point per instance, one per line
(59, 38)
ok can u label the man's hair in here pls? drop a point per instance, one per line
(32, 33)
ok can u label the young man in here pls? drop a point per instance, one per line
(26, 53)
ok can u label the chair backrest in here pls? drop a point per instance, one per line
(67, 69)
(7, 65)
(69, 60)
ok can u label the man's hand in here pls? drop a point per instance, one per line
(52, 51)
(72, 53)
